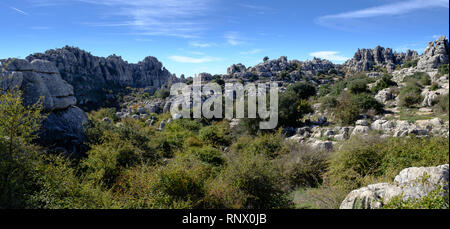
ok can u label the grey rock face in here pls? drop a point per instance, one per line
(64, 129)
(236, 69)
(93, 76)
(40, 79)
(10, 80)
(367, 59)
(410, 183)
(384, 96)
(316, 65)
(435, 54)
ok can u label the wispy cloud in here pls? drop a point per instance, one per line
(193, 60)
(180, 18)
(251, 52)
(19, 11)
(234, 38)
(329, 55)
(396, 8)
(201, 44)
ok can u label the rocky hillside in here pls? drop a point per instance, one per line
(97, 79)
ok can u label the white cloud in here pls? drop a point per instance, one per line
(180, 18)
(193, 60)
(200, 44)
(19, 11)
(252, 52)
(396, 8)
(329, 55)
(233, 38)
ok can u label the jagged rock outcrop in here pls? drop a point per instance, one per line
(410, 183)
(272, 68)
(367, 59)
(93, 78)
(435, 54)
(40, 79)
(316, 65)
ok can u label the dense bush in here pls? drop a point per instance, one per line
(249, 181)
(270, 145)
(410, 95)
(384, 82)
(410, 63)
(303, 166)
(443, 69)
(357, 86)
(442, 104)
(162, 93)
(421, 77)
(179, 184)
(293, 105)
(350, 107)
(215, 135)
(364, 161)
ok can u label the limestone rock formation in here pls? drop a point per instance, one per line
(410, 183)
(436, 53)
(40, 79)
(367, 59)
(93, 77)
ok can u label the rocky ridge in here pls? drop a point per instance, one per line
(97, 79)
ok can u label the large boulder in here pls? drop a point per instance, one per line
(64, 128)
(410, 183)
(435, 54)
(40, 80)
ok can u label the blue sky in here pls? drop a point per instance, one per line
(193, 36)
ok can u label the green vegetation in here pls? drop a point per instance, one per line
(443, 69)
(433, 200)
(203, 163)
(410, 94)
(384, 82)
(293, 103)
(364, 161)
(410, 63)
(421, 77)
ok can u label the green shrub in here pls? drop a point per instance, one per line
(208, 155)
(443, 69)
(423, 78)
(270, 145)
(442, 104)
(410, 95)
(179, 184)
(293, 105)
(350, 107)
(303, 166)
(363, 161)
(249, 181)
(357, 86)
(384, 82)
(434, 86)
(162, 93)
(436, 199)
(411, 63)
(215, 135)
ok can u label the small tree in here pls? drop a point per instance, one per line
(18, 123)
(18, 127)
